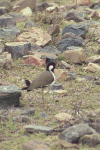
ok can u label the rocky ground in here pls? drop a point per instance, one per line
(68, 35)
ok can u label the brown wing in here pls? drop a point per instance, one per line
(42, 80)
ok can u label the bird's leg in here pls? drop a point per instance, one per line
(52, 91)
(44, 104)
(43, 97)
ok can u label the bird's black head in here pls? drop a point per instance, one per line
(50, 67)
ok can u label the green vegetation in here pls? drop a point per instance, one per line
(13, 134)
(60, 57)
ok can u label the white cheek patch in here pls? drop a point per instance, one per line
(50, 67)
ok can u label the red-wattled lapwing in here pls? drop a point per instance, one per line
(43, 80)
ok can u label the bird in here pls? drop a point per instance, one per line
(43, 80)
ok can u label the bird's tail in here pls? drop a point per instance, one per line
(27, 85)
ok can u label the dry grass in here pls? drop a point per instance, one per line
(13, 134)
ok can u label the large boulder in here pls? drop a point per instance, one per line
(35, 36)
(75, 15)
(9, 95)
(9, 33)
(79, 29)
(26, 12)
(6, 20)
(51, 49)
(36, 128)
(74, 133)
(67, 42)
(17, 49)
(75, 55)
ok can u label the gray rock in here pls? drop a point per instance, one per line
(29, 112)
(79, 29)
(29, 24)
(75, 15)
(90, 23)
(69, 35)
(36, 48)
(3, 10)
(78, 12)
(65, 43)
(17, 49)
(6, 20)
(95, 126)
(35, 128)
(60, 129)
(56, 86)
(18, 17)
(22, 119)
(73, 48)
(72, 75)
(51, 49)
(43, 115)
(72, 134)
(9, 33)
(9, 95)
